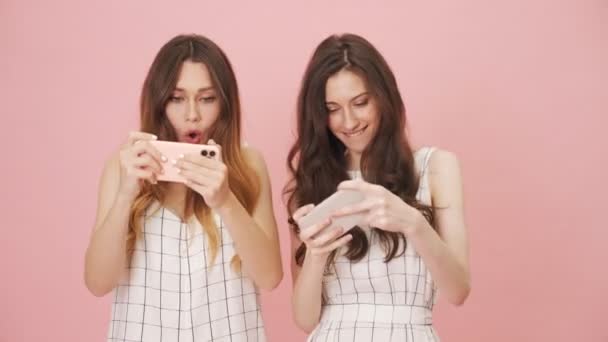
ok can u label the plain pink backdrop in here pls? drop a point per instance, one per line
(518, 89)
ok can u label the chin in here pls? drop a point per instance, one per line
(355, 149)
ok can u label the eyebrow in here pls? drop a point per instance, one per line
(353, 99)
(200, 90)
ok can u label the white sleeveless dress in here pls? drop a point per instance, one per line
(169, 293)
(371, 300)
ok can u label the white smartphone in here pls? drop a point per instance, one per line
(172, 151)
(325, 209)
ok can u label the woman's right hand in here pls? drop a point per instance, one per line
(320, 242)
(139, 161)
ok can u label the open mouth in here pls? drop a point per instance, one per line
(193, 137)
(355, 133)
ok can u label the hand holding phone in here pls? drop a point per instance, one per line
(327, 207)
(173, 150)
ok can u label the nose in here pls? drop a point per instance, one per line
(350, 121)
(192, 113)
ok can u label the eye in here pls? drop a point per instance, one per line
(361, 103)
(208, 99)
(332, 109)
(176, 99)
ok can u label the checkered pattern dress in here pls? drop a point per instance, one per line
(169, 293)
(371, 300)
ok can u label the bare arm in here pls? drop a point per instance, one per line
(445, 251)
(106, 255)
(255, 236)
(308, 279)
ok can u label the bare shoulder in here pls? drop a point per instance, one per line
(443, 161)
(255, 159)
(445, 177)
(112, 163)
(108, 186)
(111, 171)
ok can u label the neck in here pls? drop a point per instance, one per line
(353, 160)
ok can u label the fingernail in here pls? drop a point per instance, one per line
(163, 158)
(181, 156)
(154, 137)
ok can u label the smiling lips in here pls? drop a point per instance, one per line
(355, 133)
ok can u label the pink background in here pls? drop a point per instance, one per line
(516, 88)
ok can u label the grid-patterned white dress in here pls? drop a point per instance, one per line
(169, 293)
(371, 300)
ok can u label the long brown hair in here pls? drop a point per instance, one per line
(317, 160)
(226, 131)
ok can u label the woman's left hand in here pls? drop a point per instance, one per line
(382, 209)
(206, 176)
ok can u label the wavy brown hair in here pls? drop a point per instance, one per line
(317, 159)
(226, 131)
